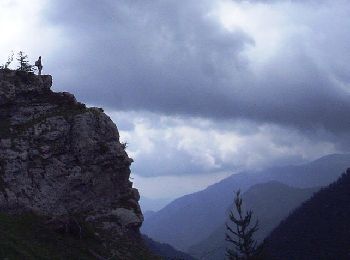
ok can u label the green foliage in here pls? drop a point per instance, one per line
(318, 229)
(28, 237)
(124, 145)
(241, 237)
(5, 125)
(104, 148)
(24, 63)
(8, 62)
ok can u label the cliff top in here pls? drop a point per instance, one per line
(23, 81)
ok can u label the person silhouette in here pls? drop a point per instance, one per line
(39, 65)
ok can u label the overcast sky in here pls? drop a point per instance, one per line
(199, 89)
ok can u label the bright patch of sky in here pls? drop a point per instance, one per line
(23, 29)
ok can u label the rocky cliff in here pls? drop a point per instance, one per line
(63, 161)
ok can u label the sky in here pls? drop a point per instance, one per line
(198, 89)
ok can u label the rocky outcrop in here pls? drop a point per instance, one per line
(61, 160)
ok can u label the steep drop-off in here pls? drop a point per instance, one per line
(64, 163)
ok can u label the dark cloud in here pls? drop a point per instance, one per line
(173, 57)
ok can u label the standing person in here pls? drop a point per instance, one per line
(39, 65)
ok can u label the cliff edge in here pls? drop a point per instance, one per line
(64, 162)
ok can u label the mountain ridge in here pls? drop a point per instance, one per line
(318, 229)
(258, 199)
(208, 207)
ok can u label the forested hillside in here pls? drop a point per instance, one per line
(319, 229)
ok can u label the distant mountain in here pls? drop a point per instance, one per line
(319, 229)
(165, 251)
(320, 172)
(148, 214)
(190, 219)
(271, 202)
(148, 204)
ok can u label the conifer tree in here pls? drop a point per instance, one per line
(8, 62)
(241, 236)
(24, 63)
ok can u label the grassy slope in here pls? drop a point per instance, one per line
(28, 237)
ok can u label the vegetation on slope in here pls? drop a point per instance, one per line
(319, 229)
(28, 236)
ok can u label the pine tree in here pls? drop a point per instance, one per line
(24, 63)
(241, 237)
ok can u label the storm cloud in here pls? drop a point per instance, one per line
(198, 89)
(178, 146)
(176, 57)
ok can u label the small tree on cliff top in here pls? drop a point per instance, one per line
(24, 63)
(8, 62)
(241, 236)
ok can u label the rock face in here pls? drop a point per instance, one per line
(61, 159)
